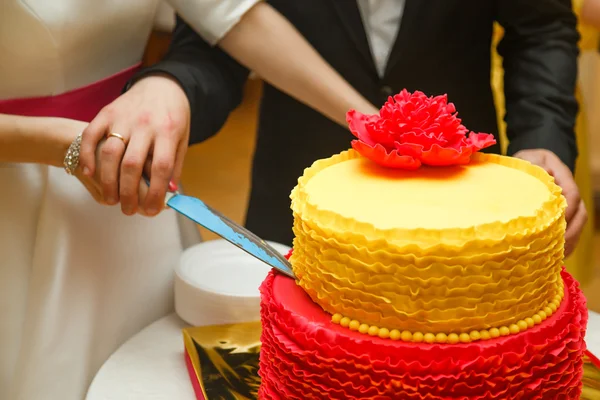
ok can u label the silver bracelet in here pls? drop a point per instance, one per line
(72, 157)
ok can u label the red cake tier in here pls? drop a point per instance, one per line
(305, 356)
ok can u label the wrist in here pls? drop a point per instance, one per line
(155, 79)
(160, 82)
(36, 140)
(59, 134)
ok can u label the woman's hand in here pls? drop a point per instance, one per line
(46, 140)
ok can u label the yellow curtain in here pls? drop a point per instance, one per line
(580, 263)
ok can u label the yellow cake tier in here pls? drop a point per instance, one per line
(443, 250)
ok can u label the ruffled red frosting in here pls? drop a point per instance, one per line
(413, 129)
(304, 356)
(289, 254)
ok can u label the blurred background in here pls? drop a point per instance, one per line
(224, 182)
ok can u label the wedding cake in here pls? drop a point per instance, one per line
(424, 270)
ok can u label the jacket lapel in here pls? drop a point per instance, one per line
(352, 21)
(412, 13)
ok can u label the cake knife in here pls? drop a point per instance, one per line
(206, 216)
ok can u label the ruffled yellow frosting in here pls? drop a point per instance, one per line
(453, 338)
(451, 250)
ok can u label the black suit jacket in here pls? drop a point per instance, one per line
(443, 46)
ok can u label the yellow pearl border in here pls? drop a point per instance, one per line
(453, 338)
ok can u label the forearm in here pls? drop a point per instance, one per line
(266, 43)
(32, 140)
(540, 62)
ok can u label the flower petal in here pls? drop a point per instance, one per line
(357, 123)
(444, 156)
(384, 158)
(370, 129)
(425, 140)
(409, 149)
(481, 140)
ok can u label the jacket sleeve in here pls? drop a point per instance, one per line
(539, 51)
(212, 81)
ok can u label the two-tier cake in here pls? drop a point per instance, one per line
(424, 270)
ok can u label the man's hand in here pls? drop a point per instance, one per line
(153, 118)
(576, 213)
(93, 184)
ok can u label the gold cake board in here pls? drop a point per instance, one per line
(222, 361)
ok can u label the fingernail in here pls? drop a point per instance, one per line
(152, 211)
(86, 171)
(111, 200)
(127, 210)
(172, 186)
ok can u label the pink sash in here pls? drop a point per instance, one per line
(81, 104)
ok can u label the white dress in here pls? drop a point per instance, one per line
(76, 279)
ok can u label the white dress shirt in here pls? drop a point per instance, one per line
(382, 22)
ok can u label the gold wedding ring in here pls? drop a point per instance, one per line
(116, 135)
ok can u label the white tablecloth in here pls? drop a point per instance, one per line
(151, 365)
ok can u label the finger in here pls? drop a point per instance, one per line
(92, 189)
(179, 160)
(111, 155)
(574, 228)
(144, 188)
(131, 172)
(90, 186)
(163, 162)
(142, 194)
(564, 178)
(91, 137)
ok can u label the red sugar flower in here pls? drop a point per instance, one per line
(413, 129)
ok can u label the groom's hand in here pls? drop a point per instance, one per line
(93, 184)
(576, 213)
(153, 120)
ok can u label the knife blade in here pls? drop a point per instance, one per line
(211, 219)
